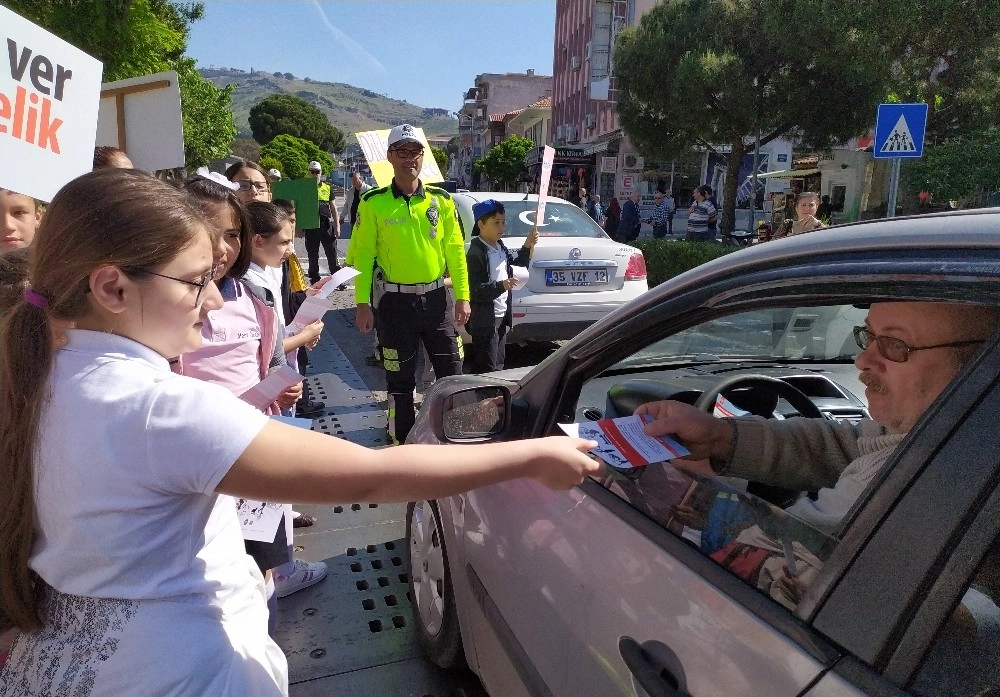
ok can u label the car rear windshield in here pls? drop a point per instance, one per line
(561, 220)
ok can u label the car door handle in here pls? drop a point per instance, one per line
(655, 667)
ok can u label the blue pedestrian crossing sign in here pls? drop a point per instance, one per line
(899, 130)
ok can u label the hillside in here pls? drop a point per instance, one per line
(349, 108)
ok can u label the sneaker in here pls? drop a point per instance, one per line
(304, 575)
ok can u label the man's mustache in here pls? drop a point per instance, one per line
(872, 382)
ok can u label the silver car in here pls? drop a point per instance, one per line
(616, 587)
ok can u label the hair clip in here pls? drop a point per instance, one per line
(216, 177)
(33, 297)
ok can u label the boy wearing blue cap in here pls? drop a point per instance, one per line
(491, 280)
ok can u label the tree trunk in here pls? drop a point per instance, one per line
(728, 222)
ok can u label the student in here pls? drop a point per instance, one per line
(19, 219)
(491, 280)
(121, 562)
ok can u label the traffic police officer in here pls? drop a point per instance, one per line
(406, 236)
(325, 234)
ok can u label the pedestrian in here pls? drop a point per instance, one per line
(491, 280)
(406, 238)
(662, 215)
(594, 209)
(825, 210)
(713, 220)
(326, 234)
(274, 175)
(806, 203)
(110, 156)
(582, 199)
(630, 222)
(20, 216)
(123, 561)
(699, 215)
(613, 215)
(350, 213)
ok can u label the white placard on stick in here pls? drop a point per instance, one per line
(548, 156)
(49, 91)
(142, 116)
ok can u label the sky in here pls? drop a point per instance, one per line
(427, 53)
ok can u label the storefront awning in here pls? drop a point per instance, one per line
(788, 173)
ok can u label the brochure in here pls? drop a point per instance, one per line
(623, 444)
(267, 390)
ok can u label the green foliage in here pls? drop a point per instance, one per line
(668, 258)
(293, 155)
(959, 168)
(505, 162)
(271, 162)
(695, 73)
(133, 38)
(286, 114)
(206, 114)
(441, 157)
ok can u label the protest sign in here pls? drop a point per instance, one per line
(304, 194)
(142, 116)
(49, 97)
(374, 144)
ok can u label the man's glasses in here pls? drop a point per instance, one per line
(408, 154)
(201, 284)
(897, 350)
(246, 185)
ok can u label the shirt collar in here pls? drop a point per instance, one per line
(397, 192)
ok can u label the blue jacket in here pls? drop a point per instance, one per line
(629, 223)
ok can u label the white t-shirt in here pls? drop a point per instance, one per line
(496, 261)
(270, 277)
(129, 458)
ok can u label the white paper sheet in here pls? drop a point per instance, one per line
(623, 444)
(267, 390)
(259, 520)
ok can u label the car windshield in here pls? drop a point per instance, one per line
(561, 220)
(794, 334)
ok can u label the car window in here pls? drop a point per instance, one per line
(561, 220)
(964, 659)
(799, 333)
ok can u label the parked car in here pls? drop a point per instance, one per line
(606, 589)
(577, 274)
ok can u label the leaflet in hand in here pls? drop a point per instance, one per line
(315, 306)
(263, 394)
(623, 444)
(259, 520)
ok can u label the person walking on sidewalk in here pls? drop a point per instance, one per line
(326, 234)
(663, 215)
(353, 198)
(630, 222)
(407, 236)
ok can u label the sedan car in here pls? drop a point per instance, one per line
(577, 274)
(617, 587)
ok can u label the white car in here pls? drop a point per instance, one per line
(577, 273)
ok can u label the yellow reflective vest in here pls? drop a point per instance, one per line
(412, 240)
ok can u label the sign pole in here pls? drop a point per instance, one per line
(893, 187)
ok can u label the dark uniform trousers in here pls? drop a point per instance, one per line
(323, 235)
(403, 321)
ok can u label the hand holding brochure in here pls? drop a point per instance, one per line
(267, 390)
(315, 306)
(623, 444)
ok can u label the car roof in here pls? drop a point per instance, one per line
(477, 196)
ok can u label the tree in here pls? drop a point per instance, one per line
(295, 154)
(133, 38)
(286, 114)
(247, 148)
(708, 74)
(505, 162)
(959, 168)
(441, 157)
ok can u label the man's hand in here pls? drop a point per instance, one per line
(703, 434)
(364, 318)
(462, 312)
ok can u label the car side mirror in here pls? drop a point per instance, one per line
(476, 414)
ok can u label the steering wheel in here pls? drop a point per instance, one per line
(792, 395)
(777, 495)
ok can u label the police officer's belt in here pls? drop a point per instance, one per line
(413, 288)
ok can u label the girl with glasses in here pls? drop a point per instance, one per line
(121, 560)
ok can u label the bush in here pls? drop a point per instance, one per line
(668, 258)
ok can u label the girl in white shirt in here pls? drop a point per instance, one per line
(121, 563)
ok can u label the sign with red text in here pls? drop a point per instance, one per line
(142, 116)
(49, 94)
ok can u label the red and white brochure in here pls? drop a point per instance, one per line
(623, 444)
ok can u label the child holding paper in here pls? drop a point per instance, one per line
(121, 559)
(491, 279)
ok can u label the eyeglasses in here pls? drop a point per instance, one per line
(246, 185)
(201, 284)
(408, 153)
(897, 350)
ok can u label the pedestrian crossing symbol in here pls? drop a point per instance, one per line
(899, 130)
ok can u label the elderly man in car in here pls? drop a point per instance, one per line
(910, 352)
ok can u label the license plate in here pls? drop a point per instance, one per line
(576, 277)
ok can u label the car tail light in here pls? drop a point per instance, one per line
(636, 269)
